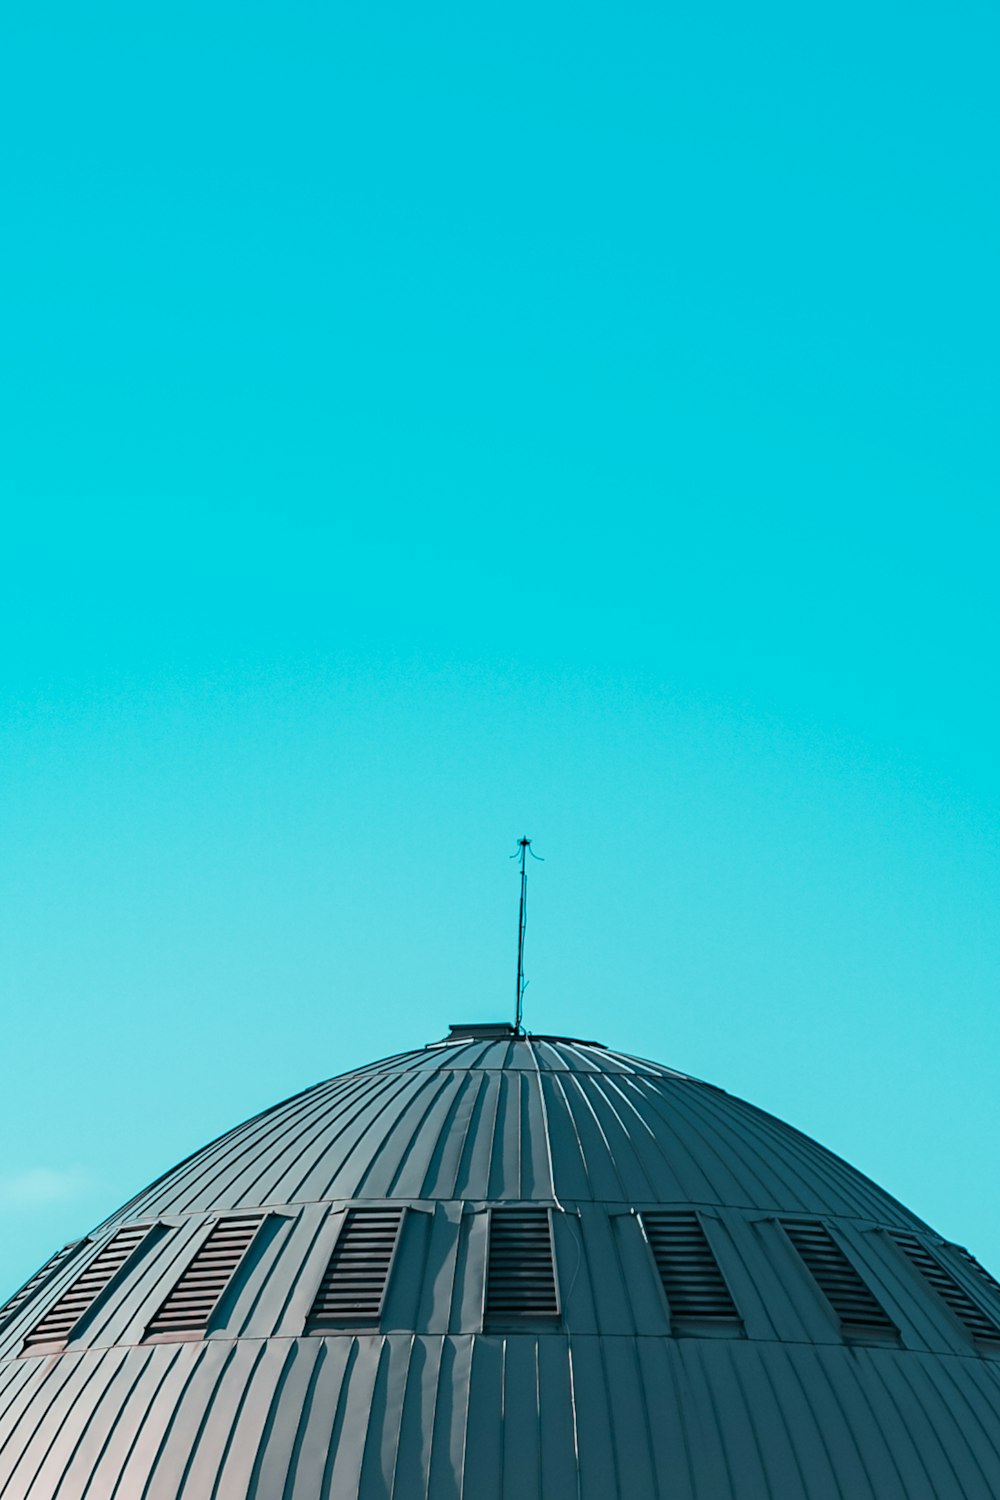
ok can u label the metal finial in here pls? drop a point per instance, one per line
(523, 850)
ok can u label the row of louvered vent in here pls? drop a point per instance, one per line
(520, 1282)
(520, 1276)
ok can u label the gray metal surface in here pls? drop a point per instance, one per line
(612, 1398)
(528, 1120)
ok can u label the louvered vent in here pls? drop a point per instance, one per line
(980, 1269)
(520, 1274)
(55, 1263)
(841, 1284)
(975, 1319)
(353, 1288)
(62, 1317)
(195, 1297)
(695, 1287)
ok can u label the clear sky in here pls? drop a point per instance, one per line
(428, 424)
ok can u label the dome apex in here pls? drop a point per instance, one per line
(493, 1031)
(476, 1030)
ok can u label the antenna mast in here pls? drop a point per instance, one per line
(524, 847)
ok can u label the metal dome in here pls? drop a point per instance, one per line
(506, 1268)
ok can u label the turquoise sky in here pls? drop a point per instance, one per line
(423, 425)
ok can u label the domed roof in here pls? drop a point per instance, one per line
(536, 1118)
(504, 1266)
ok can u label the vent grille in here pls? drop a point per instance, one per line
(695, 1286)
(79, 1298)
(841, 1284)
(520, 1274)
(55, 1262)
(193, 1300)
(969, 1313)
(971, 1260)
(353, 1286)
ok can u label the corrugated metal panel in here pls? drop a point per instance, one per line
(695, 1287)
(354, 1283)
(609, 1278)
(520, 1275)
(60, 1320)
(975, 1318)
(840, 1282)
(522, 1417)
(188, 1308)
(569, 1121)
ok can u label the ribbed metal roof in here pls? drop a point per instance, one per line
(530, 1119)
(714, 1306)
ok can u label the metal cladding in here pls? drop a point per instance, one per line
(506, 1268)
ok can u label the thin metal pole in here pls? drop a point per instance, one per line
(522, 917)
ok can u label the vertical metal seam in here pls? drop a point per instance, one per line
(461, 1085)
(234, 1426)
(197, 1359)
(546, 1133)
(191, 1452)
(557, 1083)
(589, 1110)
(79, 1369)
(302, 1425)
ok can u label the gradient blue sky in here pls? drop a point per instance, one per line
(428, 424)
